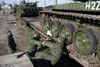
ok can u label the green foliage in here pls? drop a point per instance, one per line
(31, 32)
(28, 29)
(8, 46)
(14, 8)
(31, 46)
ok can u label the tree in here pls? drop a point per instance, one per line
(3, 3)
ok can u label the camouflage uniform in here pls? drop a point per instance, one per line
(52, 52)
(33, 44)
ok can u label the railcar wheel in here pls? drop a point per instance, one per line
(85, 41)
(66, 31)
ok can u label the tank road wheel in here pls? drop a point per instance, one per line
(55, 28)
(46, 24)
(66, 31)
(85, 41)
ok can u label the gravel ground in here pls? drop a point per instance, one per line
(8, 22)
(3, 49)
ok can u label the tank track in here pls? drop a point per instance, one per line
(88, 18)
(85, 60)
(79, 15)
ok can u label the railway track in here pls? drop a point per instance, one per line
(86, 61)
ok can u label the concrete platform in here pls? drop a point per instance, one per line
(12, 60)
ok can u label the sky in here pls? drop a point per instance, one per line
(41, 3)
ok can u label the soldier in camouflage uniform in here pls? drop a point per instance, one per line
(33, 44)
(47, 51)
(52, 53)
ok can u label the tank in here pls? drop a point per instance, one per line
(26, 9)
(79, 23)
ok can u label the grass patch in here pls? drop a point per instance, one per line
(30, 31)
(10, 43)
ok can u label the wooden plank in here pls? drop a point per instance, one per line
(81, 61)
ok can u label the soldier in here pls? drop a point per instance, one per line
(51, 53)
(47, 51)
(33, 44)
